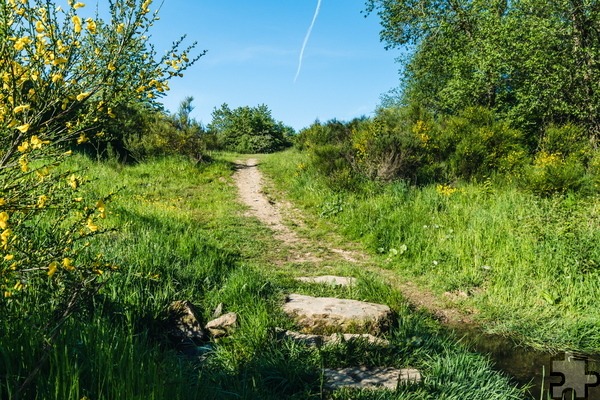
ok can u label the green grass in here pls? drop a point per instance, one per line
(179, 234)
(529, 265)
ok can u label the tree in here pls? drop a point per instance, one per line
(529, 60)
(249, 129)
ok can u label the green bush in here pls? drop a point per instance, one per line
(475, 144)
(249, 130)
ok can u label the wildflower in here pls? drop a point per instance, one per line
(42, 200)
(101, 208)
(21, 108)
(76, 23)
(82, 96)
(23, 128)
(73, 181)
(19, 285)
(445, 190)
(52, 268)
(111, 67)
(39, 27)
(22, 42)
(56, 77)
(2, 201)
(23, 147)
(120, 28)
(37, 143)
(82, 139)
(4, 220)
(4, 238)
(91, 26)
(78, 5)
(8, 257)
(24, 164)
(91, 226)
(68, 264)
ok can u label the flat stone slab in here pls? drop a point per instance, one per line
(326, 315)
(366, 378)
(321, 340)
(329, 280)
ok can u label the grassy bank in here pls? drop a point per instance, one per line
(179, 234)
(529, 266)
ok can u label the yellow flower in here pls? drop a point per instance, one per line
(37, 143)
(4, 238)
(42, 200)
(56, 77)
(91, 26)
(7, 294)
(91, 226)
(82, 139)
(83, 96)
(52, 268)
(76, 23)
(445, 190)
(2, 201)
(21, 108)
(120, 28)
(18, 286)
(111, 67)
(23, 147)
(101, 208)
(78, 5)
(22, 42)
(4, 220)
(73, 181)
(23, 128)
(39, 27)
(68, 264)
(24, 164)
(8, 257)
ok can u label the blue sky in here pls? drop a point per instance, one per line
(253, 50)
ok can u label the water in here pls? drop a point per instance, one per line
(528, 366)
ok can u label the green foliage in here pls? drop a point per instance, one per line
(475, 145)
(62, 76)
(528, 264)
(160, 134)
(529, 60)
(249, 130)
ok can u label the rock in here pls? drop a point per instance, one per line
(218, 311)
(183, 322)
(323, 315)
(357, 337)
(301, 338)
(329, 279)
(365, 378)
(320, 340)
(224, 325)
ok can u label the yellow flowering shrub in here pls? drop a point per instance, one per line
(62, 73)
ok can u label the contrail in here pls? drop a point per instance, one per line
(306, 39)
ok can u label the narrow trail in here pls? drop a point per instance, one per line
(250, 181)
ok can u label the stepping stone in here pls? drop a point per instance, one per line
(329, 279)
(365, 378)
(320, 340)
(326, 315)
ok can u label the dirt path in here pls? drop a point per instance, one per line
(249, 182)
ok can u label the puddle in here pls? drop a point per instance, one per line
(530, 366)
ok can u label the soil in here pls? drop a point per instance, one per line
(279, 216)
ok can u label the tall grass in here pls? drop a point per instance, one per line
(179, 234)
(530, 265)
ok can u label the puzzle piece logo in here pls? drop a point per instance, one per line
(574, 377)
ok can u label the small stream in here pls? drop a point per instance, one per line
(525, 364)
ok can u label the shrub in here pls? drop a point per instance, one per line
(249, 130)
(62, 76)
